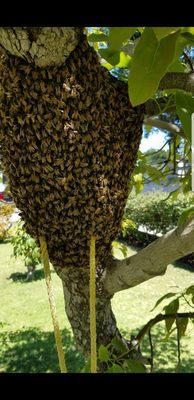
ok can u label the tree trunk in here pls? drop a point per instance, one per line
(76, 295)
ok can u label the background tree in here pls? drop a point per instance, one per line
(70, 133)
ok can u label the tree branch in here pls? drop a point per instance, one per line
(172, 80)
(150, 261)
(168, 126)
(159, 318)
(178, 80)
(153, 107)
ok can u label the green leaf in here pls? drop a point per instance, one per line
(153, 172)
(110, 55)
(166, 296)
(176, 66)
(138, 182)
(161, 32)
(103, 354)
(125, 60)
(123, 249)
(182, 325)
(189, 36)
(171, 308)
(118, 35)
(87, 366)
(150, 63)
(185, 108)
(118, 345)
(97, 37)
(168, 334)
(115, 368)
(186, 215)
(134, 366)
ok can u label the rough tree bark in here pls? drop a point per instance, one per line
(48, 47)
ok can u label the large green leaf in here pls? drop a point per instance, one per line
(171, 308)
(118, 345)
(176, 66)
(113, 54)
(134, 366)
(118, 59)
(185, 108)
(110, 55)
(115, 369)
(161, 32)
(150, 63)
(118, 35)
(103, 353)
(166, 296)
(124, 61)
(182, 325)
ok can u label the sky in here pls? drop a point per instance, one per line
(154, 141)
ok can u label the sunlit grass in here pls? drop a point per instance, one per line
(26, 333)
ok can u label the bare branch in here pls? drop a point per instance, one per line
(150, 261)
(168, 126)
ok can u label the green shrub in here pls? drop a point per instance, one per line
(154, 212)
(26, 247)
(6, 210)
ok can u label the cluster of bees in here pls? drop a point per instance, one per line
(69, 140)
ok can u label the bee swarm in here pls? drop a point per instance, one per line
(69, 140)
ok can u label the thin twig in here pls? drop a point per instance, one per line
(187, 301)
(178, 347)
(151, 351)
(155, 152)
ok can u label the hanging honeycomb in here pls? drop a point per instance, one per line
(69, 140)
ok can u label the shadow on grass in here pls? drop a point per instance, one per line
(183, 265)
(33, 350)
(22, 276)
(165, 352)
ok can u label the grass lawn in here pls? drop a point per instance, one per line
(26, 333)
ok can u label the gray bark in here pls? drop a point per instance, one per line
(46, 46)
(167, 126)
(76, 295)
(151, 261)
(178, 80)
